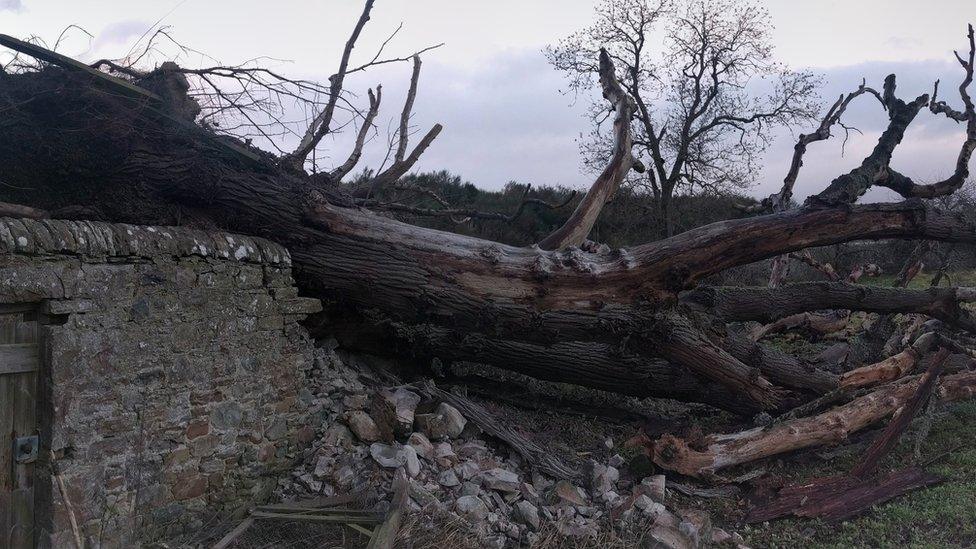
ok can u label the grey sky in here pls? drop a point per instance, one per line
(491, 88)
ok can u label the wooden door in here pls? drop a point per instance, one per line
(19, 370)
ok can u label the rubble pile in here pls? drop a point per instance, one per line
(368, 433)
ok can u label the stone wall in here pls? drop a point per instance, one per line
(174, 372)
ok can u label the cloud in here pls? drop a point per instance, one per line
(11, 5)
(121, 32)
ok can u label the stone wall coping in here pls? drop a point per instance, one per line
(100, 239)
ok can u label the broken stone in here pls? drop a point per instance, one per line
(529, 493)
(363, 426)
(472, 508)
(394, 412)
(602, 479)
(654, 487)
(474, 449)
(541, 483)
(468, 469)
(565, 491)
(444, 455)
(354, 402)
(421, 445)
(391, 457)
(344, 477)
(527, 514)
(421, 494)
(309, 482)
(616, 461)
(691, 532)
(448, 479)
(412, 461)
(648, 506)
(470, 489)
(405, 404)
(276, 430)
(322, 467)
(445, 422)
(500, 479)
(720, 536)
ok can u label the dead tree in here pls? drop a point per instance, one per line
(634, 320)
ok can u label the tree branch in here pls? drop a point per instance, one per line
(399, 168)
(769, 304)
(357, 149)
(407, 108)
(579, 224)
(321, 124)
(847, 188)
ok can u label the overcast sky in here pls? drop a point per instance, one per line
(491, 88)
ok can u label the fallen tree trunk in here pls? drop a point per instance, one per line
(127, 160)
(770, 304)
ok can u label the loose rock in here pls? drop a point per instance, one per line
(472, 508)
(363, 426)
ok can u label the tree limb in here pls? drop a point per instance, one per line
(357, 149)
(321, 124)
(579, 224)
(768, 304)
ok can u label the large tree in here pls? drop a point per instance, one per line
(706, 88)
(636, 321)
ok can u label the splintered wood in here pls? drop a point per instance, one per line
(846, 496)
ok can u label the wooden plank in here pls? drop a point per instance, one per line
(6, 458)
(330, 501)
(340, 518)
(19, 358)
(5, 496)
(227, 540)
(25, 424)
(385, 536)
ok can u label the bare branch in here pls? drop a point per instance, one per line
(579, 224)
(321, 124)
(874, 169)
(19, 210)
(399, 168)
(407, 108)
(769, 304)
(357, 149)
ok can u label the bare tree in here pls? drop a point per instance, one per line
(705, 84)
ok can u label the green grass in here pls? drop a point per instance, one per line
(941, 516)
(924, 280)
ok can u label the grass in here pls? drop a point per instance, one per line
(924, 279)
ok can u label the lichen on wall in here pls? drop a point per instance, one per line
(174, 367)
